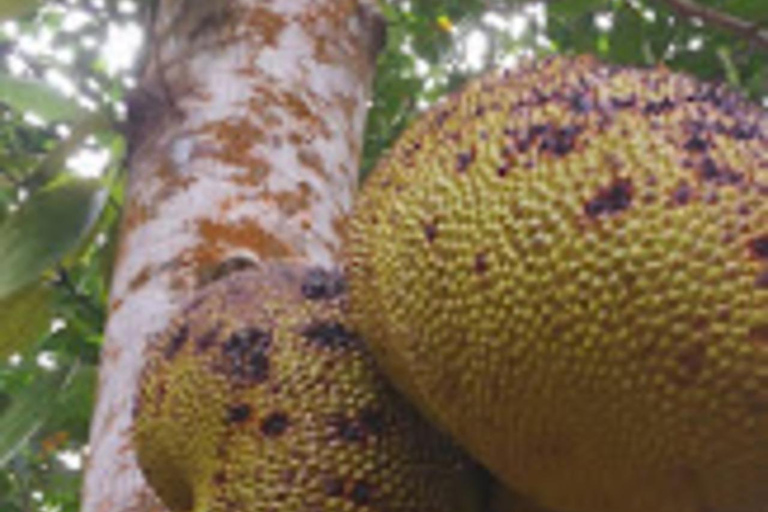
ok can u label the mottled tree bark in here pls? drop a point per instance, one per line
(245, 135)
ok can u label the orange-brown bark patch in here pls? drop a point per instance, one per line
(311, 160)
(292, 202)
(140, 279)
(269, 25)
(235, 140)
(217, 237)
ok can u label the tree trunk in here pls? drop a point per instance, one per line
(245, 136)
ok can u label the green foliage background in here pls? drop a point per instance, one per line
(57, 230)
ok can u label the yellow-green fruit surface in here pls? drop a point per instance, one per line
(566, 267)
(258, 398)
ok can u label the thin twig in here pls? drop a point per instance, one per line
(752, 32)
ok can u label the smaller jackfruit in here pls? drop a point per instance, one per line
(258, 398)
(566, 266)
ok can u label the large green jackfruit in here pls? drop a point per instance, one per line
(566, 267)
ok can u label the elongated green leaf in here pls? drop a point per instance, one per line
(39, 98)
(15, 8)
(55, 159)
(29, 410)
(24, 316)
(44, 229)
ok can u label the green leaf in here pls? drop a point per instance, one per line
(55, 159)
(15, 8)
(39, 98)
(574, 8)
(29, 410)
(24, 316)
(44, 229)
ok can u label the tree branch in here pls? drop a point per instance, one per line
(752, 32)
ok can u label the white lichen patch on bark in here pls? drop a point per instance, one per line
(248, 144)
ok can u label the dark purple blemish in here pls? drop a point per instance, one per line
(658, 107)
(742, 132)
(580, 103)
(372, 421)
(696, 143)
(710, 171)
(618, 103)
(347, 429)
(258, 367)
(246, 352)
(361, 493)
(207, 340)
(442, 116)
(320, 283)
(761, 281)
(275, 424)
(464, 160)
(559, 141)
(430, 231)
(759, 247)
(246, 340)
(177, 341)
(334, 487)
(682, 194)
(610, 200)
(481, 263)
(502, 171)
(330, 335)
(239, 413)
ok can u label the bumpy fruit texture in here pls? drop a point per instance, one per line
(567, 267)
(259, 399)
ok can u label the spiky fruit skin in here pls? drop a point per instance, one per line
(259, 399)
(567, 268)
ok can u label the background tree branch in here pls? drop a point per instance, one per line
(753, 32)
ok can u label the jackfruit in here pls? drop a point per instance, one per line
(566, 267)
(258, 398)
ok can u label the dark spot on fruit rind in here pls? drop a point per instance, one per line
(464, 160)
(612, 199)
(207, 340)
(580, 103)
(248, 339)
(346, 429)
(430, 231)
(246, 352)
(238, 413)
(696, 143)
(559, 141)
(626, 102)
(258, 367)
(177, 341)
(275, 424)
(682, 194)
(372, 421)
(659, 107)
(320, 283)
(361, 493)
(334, 487)
(481, 263)
(744, 132)
(330, 335)
(759, 247)
(710, 171)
